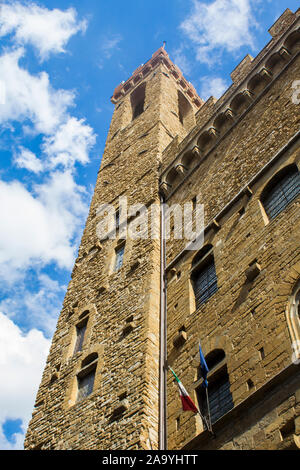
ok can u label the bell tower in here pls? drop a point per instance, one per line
(101, 384)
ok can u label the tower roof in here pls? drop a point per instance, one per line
(159, 57)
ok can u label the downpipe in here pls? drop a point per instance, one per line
(163, 335)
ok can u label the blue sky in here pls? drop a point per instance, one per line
(59, 64)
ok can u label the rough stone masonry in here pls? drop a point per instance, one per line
(238, 295)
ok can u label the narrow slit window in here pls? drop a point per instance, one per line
(119, 257)
(80, 334)
(138, 101)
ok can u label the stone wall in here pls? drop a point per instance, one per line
(237, 144)
(247, 316)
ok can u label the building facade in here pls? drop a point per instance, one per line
(137, 305)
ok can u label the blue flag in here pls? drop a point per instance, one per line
(203, 367)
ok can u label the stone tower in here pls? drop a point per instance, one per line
(100, 388)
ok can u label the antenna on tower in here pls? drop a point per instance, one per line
(164, 44)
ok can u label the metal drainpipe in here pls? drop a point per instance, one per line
(163, 336)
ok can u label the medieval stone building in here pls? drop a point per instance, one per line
(137, 305)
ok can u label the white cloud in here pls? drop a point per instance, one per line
(218, 26)
(109, 45)
(212, 86)
(71, 142)
(22, 359)
(35, 307)
(26, 159)
(31, 96)
(182, 61)
(39, 228)
(47, 30)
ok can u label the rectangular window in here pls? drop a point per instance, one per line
(85, 385)
(280, 192)
(119, 257)
(137, 99)
(219, 398)
(205, 283)
(80, 332)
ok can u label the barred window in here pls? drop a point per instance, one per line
(219, 393)
(282, 189)
(219, 397)
(204, 276)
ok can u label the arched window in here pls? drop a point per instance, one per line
(219, 394)
(204, 277)
(86, 376)
(281, 190)
(214, 358)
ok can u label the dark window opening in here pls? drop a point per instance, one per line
(138, 101)
(201, 254)
(250, 384)
(185, 111)
(282, 189)
(138, 109)
(219, 397)
(205, 282)
(80, 333)
(119, 257)
(214, 358)
(89, 359)
(262, 353)
(117, 218)
(85, 385)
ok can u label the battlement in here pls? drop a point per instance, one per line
(159, 57)
(251, 78)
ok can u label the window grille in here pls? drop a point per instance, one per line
(281, 193)
(219, 397)
(205, 283)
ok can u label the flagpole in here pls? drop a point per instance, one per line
(197, 408)
(204, 370)
(204, 420)
(208, 411)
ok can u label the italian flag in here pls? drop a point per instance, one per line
(187, 402)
